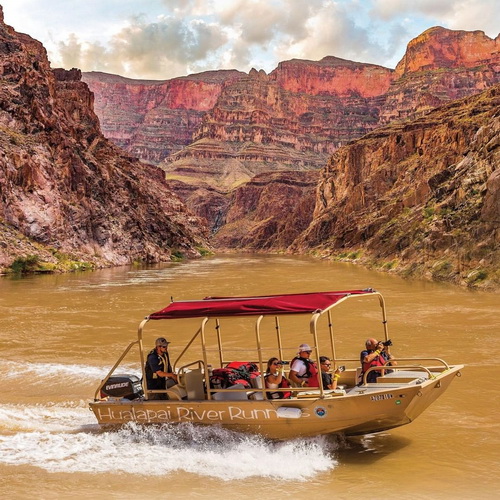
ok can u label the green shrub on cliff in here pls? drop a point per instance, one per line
(28, 264)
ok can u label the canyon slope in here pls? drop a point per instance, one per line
(418, 198)
(68, 196)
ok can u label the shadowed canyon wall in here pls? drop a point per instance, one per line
(64, 188)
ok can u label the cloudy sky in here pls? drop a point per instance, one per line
(162, 39)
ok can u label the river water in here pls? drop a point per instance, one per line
(60, 334)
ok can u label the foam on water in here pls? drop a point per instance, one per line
(49, 371)
(134, 449)
(51, 417)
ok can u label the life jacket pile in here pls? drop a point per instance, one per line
(236, 372)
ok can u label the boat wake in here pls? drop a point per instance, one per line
(60, 434)
(64, 439)
(45, 372)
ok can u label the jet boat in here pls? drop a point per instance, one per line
(355, 407)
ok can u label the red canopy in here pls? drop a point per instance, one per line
(255, 306)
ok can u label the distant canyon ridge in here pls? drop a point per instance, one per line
(394, 168)
(335, 157)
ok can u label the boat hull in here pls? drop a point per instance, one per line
(372, 408)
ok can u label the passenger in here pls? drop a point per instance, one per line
(303, 371)
(375, 354)
(329, 381)
(275, 379)
(159, 374)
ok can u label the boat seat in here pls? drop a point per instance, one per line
(403, 377)
(176, 392)
(193, 383)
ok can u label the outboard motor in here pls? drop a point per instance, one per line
(123, 386)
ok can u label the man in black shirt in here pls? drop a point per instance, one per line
(159, 374)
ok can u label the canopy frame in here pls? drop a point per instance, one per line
(203, 304)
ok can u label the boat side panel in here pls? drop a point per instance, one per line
(386, 408)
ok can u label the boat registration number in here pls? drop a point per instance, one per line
(380, 397)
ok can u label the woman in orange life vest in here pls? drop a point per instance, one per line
(275, 379)
(303, 370)
(375, 354)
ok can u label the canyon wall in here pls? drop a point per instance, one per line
(66, 192)
(219, 129)
(293, 119)
(153, 119)
(269, 212)
(419, 198)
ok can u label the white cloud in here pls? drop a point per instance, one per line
(453, 14)
(163, 39)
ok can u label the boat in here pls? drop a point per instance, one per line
(355, 407)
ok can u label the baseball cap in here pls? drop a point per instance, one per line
(162, 341)
(304, 347)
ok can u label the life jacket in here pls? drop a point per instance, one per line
(153, 381)
(163, 361)
(280, 394)
(377, 361)
(311, 373)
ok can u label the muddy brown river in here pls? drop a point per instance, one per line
(60, 334)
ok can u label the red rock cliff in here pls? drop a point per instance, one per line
(153, 119)
(439, 48)
(421, 198)
(333, 76)
(63, 186)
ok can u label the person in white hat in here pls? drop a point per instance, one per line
(303, 370)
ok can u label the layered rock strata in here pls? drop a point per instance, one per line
(295, 117)
(154, 119)
(63, 186)
(263, 123)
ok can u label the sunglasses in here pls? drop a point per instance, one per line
(327, 364)
(277, 363)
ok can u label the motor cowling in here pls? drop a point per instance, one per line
(123, 386)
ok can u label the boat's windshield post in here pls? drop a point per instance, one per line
(278, 335)
(205, 358)
(188, 345)
(384, 316)
(259, 353)
(219, 341)
(332, 340)
(141, 355)
(314, 331)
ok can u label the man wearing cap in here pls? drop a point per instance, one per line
(159, 374)
(303, 371)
